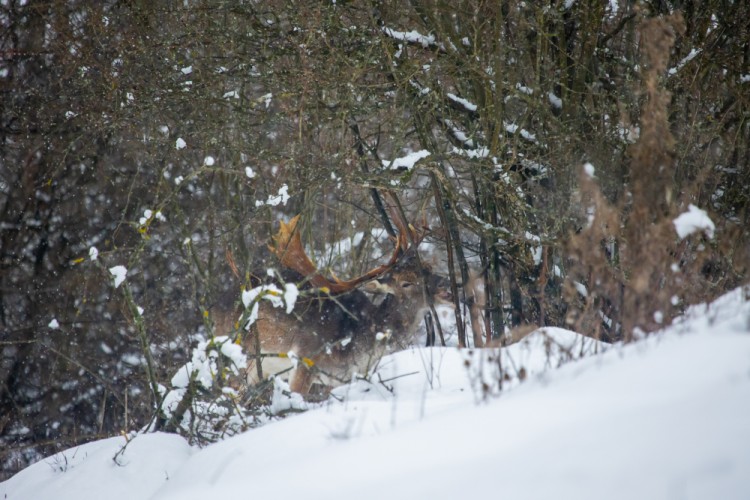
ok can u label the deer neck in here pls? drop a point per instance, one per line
(397, 318)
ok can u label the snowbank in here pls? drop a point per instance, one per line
(663, 418)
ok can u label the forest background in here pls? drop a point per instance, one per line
(558, 141)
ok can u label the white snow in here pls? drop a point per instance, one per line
(528, 135)
(693, 221)
(54, 324)
(410, 36)
(512, 128)
(232, 351)
(274, 200)
(459, 134)
(147, 463)
(554, 100)
(422, 90)
(684, 61)
(407, 161)
(629, 134)
(614, 8)
(536, 251)
(249, 172)
(589, 169)
(180, 143)
(209, 161)
(266, 99)
(469, 106)
(290, 296)
(93, 253)
(283, 398)
(524, 89)
(203, 368)
(666, 417)
(119, 273)
(271, 293)
(149, 215)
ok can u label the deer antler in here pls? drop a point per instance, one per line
(287, 245)
(407, 233)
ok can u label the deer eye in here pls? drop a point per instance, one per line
(406, 284)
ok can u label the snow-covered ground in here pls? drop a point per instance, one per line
(664, 418)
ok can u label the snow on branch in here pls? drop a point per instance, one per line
(480, 152)
(684, 61)
(406, 162)
(275, 200)
(410, 36)
(420, 88)
(693, 221)
(119, 273)
(512, 128)
(467, 105)
(459, 134)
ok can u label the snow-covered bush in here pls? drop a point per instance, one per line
(203, 402)
(208, 399)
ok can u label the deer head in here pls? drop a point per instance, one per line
(338, 326)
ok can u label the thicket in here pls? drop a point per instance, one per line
(162, 133)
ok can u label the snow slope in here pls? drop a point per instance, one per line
(668, 417)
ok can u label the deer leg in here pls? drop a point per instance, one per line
(301, 379)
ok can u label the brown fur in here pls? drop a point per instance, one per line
(331, 337)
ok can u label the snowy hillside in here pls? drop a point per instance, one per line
(668, 417)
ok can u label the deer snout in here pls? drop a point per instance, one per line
(443, 296)
(376, 287)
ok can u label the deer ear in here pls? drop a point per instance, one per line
(378, 288)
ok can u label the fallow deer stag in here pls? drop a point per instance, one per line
(335, 329)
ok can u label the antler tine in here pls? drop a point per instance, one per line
(287, 245)
(408, 234)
